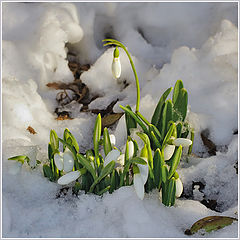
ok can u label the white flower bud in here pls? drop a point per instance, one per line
(112, 139)
(168, 151)
(121, 159)
(138, 185)
(179, 188)
(112, 155)
(116, 67)
(182, 141)
(68, 160)
(130, 149)
(69, 177)
(58, 160)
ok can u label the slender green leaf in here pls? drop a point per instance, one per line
(171, 192)
(104, 190)
(164, 174)
(126, 155)
(178, 86)
(74, 142)
(157, 167)
(133, 115)
(166, 117)
(105, 171)
(135, 148)
(146, 140)
(179, 127)
(158, 110)
(169, 134)
(175, 161)
(106, 142)
(180, 106)
(192, 139)
(85, 162)
(138, 160)
(54, 140)
(48, 172)
(20, 158)
(50, 151)
(130, 121)
(155, 140)
(96, 138)
(156, 132)
(113, 182)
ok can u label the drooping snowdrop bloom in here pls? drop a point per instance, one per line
(140, 178)
(169, 149)
(114, 155)
(179, 187)
(182, 141)
(64, 161)
(116, 65)
(112, 139)
(69, 177)
(141, 174)
(130, 149)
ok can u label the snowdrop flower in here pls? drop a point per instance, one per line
(69, 177)
(141, 174)
(112, 139)
(130, 149)
(114, 155)
(64, 161)
(182, 141)
(140, 178)
(169, 149)
(179, 187)
(116, 65)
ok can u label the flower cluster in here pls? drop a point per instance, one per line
(152, 152)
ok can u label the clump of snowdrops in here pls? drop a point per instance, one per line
(152, 166)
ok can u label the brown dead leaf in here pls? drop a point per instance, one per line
(63, 116)
(109, 120)
(31, 130)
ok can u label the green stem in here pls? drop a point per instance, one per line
(115, 42)
(143, 118)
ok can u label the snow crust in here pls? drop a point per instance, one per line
(195, 42)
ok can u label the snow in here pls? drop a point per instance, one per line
(195, 42)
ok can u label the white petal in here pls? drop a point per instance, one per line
(168, 151)
(58, 160)
(69, 177)
(112, 139)
(130, 149)
(116, 67)
(143, 172)
(68, 161)
(121, 159)
(182, 141)
(112, 155)
(138, 185)
(179, 187)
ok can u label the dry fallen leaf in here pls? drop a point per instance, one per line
(109, 120)
(210, 223)
(31, 130)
